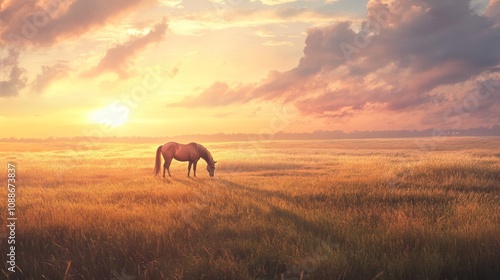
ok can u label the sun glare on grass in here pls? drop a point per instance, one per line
(113, 115)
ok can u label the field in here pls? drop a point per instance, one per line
(339, 209)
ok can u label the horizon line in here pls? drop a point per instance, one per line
(314, 135)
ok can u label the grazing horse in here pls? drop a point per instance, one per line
(191, 152)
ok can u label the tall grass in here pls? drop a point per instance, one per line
(357, 209)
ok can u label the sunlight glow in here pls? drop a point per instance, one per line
(113, 115)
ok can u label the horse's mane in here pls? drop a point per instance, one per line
(205, 154)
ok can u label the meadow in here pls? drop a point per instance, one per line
(337, 209)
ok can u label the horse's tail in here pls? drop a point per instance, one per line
(158, 161)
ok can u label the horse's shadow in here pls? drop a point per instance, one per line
(182, 180)
(188, 181)
(299, 222)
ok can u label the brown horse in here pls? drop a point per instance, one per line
(191, 152)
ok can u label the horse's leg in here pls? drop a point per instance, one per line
(194, 167)
(167, 167)
(189, 168)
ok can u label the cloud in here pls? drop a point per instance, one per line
(117, 59)
(15, 75)
(493, 9)
(44, 23)
(48, 75)
(32, 24)
(229, 14)
(171, 3)
(403, 57)
(219, 94)
(274, 43)
(276, 2)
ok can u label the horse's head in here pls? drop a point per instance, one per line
(211, 168)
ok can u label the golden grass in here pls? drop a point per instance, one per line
(343, 209)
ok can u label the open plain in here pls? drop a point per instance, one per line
(336, 209)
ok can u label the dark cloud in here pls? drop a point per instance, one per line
(117, 59)
(322, 49)
(15, 75)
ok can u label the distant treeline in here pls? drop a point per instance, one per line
(316, 135)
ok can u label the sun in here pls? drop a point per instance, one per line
(114, 115)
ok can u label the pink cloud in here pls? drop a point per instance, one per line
(217, 94)
(48, 75)
(44, 23)
(117, 59)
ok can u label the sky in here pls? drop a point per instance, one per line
(174, 67)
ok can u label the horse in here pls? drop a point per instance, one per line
(191, 152)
